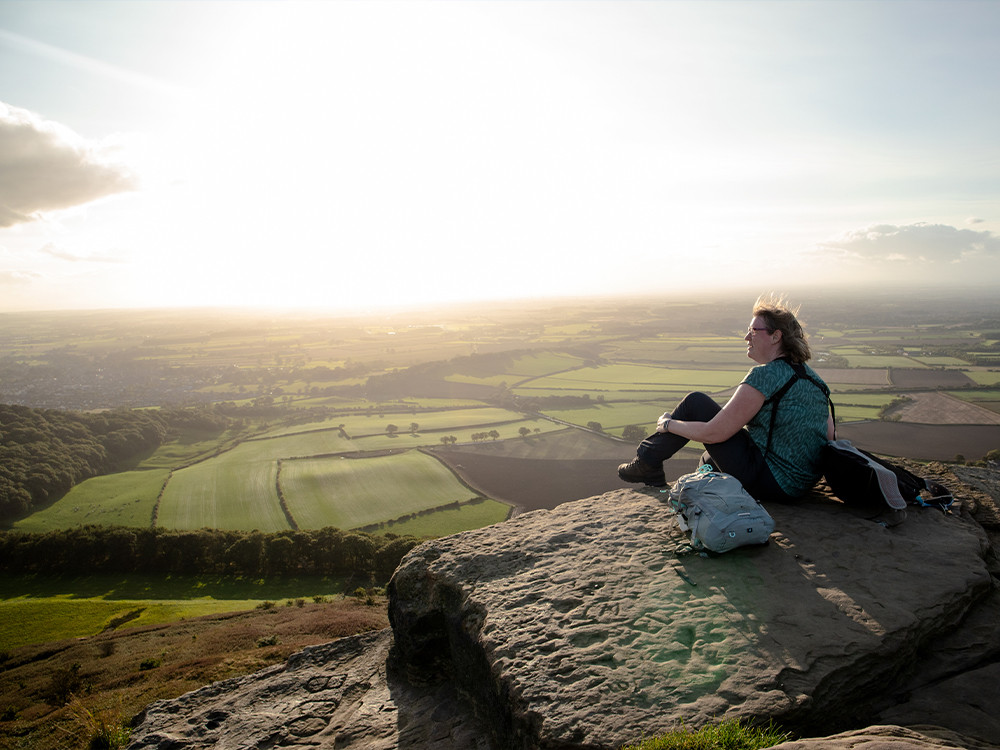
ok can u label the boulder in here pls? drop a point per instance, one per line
(334, 695)
(971, 700)
(888, 737)
(581, 627)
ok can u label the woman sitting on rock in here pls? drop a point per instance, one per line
(776, 462)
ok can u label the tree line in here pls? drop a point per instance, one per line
(119, 549)
(45, 452)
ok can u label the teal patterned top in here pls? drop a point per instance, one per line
(800, 427)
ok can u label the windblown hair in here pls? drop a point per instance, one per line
(778, 316)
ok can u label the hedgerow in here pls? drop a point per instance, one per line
(116, 549)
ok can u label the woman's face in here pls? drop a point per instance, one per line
(763, 344)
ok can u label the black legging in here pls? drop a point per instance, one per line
(738, 455)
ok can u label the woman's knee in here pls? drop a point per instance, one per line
(696, 406)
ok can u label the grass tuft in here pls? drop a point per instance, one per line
(729, 735)
(101, 730)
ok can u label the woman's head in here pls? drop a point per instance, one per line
(773, 313)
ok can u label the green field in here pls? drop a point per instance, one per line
(360, 425)
(854, 407)
(624, 363)
(408, 404)
(877, 400)
(474, 515)
(612, 417)
(985, 377)
(348, 493)
(515, 370)
(864, 358)
(185, 448)
(124, 499)
(613, 376)
(543, 364)
(494, 381)
(941, 361)
(985, 395)
(667, 395)
(28, 621)
(850, 413)
(312, 443)
(38, 609)
(462, 434)
(672, 351)
(236, 490)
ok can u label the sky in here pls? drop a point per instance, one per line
(366, 154)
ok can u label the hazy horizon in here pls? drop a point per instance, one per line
(364, 156)
(926, 305)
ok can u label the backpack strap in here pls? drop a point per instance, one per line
(798, 371)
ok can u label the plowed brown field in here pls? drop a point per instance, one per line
(544, 471)
(853, 376)
(907, 378)
(940, 408)
(922, 442)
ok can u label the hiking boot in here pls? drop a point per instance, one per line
(638, 470)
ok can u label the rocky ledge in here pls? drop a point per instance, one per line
(582, 627)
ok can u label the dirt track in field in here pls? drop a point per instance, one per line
(940, 408)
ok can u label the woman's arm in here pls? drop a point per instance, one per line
(831, 428)
(734, 415)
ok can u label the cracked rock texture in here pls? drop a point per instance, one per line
(581, 627)
(336, 695)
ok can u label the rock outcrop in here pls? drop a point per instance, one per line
(581, 627)
(335, 695)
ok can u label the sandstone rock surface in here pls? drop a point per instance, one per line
(888, 737)
(975, 691)
(581, 628)
(335, 695)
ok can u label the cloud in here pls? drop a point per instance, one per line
(45, 166)
(57, 252)
(924, 242)
(16, 278)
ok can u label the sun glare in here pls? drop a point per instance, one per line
(298, 153)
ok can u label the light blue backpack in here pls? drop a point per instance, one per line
(718, 512)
